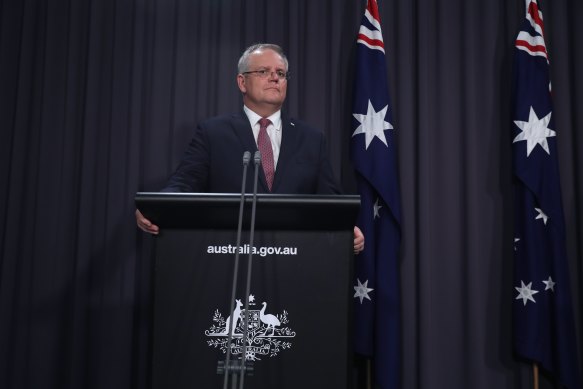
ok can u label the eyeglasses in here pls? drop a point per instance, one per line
(264, 73)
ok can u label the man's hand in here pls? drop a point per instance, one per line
(147, 226)
(358, 240)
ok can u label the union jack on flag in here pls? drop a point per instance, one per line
(544, 329)
(373, 154)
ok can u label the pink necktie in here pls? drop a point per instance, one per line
(264, 146)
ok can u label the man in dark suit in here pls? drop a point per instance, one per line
(213, 160)
(294, 155)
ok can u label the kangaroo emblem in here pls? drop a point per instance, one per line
(236, 315)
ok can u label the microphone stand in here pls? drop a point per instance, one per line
(228, 368)
(257, 161)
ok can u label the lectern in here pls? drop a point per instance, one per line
(299, 330)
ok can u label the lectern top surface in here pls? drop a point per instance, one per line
(273, 211)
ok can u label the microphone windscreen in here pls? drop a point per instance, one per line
(246, 157)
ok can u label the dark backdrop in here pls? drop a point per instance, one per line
(97, 99)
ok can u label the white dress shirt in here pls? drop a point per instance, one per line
(273, 130)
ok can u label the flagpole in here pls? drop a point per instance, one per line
(535, 375)
(369, 374)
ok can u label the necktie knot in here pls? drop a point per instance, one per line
(264, 122)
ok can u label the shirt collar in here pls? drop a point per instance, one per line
(254, 118)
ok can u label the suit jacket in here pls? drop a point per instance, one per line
(213, 162)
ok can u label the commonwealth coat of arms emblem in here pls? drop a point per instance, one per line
(267, 334)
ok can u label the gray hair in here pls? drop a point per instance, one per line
(243, 65)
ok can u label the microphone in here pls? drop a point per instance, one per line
(246, 159)
(257, 161)
(231, 330)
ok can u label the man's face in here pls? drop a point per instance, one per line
(263, 95)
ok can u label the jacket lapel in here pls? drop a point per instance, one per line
(288, 140)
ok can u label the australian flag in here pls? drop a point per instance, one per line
(544, 329)
(373, 154)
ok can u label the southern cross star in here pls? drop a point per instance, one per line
(549, 284)
(376, 208)
(525, 292)
(362, 290)
(541, 215)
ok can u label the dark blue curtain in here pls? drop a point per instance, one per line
(96, 102)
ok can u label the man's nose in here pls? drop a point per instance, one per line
(273, 76)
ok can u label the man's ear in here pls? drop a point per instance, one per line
(241, 83)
